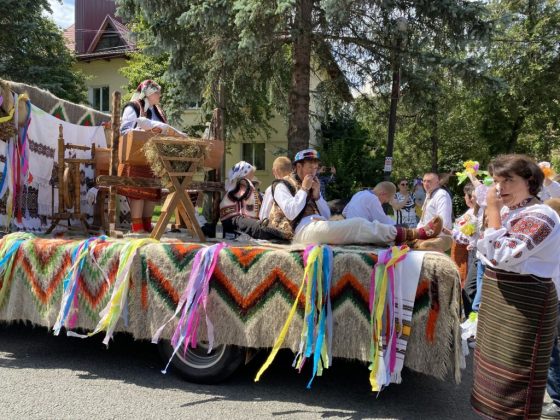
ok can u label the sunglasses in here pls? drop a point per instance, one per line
(403, 184)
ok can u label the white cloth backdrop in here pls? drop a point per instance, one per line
(43, 146)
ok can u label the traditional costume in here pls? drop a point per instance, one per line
(297, 213)
(239, 209)
(517, 316)
(139, 106)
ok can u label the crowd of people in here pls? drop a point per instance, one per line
(511, 234)
(512, 239)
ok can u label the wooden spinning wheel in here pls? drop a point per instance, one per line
(69, 206)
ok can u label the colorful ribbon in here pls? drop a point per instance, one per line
(193, 299)
(118, 301)
(16, 167)
(317, 328)
(382, 318)
(71, 283)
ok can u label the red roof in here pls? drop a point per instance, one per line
(70, 37)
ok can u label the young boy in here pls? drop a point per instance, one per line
(281, 167)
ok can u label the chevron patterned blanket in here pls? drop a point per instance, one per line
(251, 292)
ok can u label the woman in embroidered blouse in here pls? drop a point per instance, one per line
(517, 316)
(404, 206)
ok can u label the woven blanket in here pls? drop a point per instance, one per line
(251, 293)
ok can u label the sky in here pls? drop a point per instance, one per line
(63, 14)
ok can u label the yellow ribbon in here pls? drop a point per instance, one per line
(377, 323)
(308, 273)
(9, 116)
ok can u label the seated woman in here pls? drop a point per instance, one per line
(239, 209)
(144, 104)
(518, 311)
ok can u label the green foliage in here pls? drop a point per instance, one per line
(33, 50)
(346, 145)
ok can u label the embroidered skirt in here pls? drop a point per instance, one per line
(515, 334)
(139, 193)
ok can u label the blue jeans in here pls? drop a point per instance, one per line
(479, 274)
(553, 378)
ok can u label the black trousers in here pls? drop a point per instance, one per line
(252, 227)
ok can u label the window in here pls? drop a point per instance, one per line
(254, 154)
(110, 40)
(100, 98)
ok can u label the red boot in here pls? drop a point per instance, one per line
(431, 230)
(137, 226)
(147, 224)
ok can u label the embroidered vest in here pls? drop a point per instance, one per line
(278, 219)
(138, 107)
(243, 200)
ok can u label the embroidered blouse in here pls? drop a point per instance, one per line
(527, 243)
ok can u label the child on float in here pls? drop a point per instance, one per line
(281, 167)
(239, 209)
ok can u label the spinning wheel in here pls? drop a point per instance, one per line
(69, 185)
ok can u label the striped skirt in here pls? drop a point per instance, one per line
(515, 334)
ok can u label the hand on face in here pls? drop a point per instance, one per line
(493, 198)
(316, 188)
(307, 182)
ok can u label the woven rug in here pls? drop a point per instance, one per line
(251, 293)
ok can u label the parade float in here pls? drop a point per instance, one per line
(204, 302)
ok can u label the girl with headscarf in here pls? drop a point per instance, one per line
(144, 103)
(239, 209)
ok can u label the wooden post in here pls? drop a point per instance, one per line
(61, 206)
(115, 126)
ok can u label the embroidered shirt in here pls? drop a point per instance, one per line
(527, 243)
(292, 205)
(366, 205)
(468, 218)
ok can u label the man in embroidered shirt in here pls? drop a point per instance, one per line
(368, 203)
(300, 210)
(437, 203)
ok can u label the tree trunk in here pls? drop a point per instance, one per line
(298, 100)
(393, 108)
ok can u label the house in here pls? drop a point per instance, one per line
(101, 43)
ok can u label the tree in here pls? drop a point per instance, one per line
(34, 52)
(526, 56)
(250, 49)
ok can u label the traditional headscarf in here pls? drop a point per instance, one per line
(238, 171)
(145, 89)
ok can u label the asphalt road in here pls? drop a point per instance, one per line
(43, 376)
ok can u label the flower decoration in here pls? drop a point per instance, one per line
(547, 170)
(472, 167)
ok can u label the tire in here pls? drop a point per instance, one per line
(200, 367)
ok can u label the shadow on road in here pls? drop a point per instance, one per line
(342, 391)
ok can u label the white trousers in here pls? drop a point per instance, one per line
(349, 231)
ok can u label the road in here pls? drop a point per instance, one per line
(44, 376)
